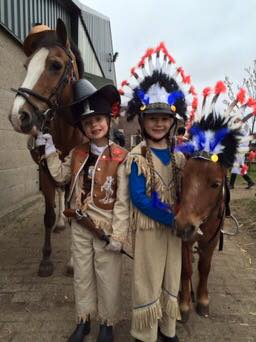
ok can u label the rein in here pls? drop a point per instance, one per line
(221, 196)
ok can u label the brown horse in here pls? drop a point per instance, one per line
(199, 220)
(216, 138)
(41, 102)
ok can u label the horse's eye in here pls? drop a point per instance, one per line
(55, 66)
(25, 66)
(215, 185)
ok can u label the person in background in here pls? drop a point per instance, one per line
(239, 167)
(118, 137)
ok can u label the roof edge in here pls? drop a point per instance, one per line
(87, 9)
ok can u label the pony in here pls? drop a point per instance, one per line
(215, 137)
(42, 103)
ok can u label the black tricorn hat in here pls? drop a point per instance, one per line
(89, 100)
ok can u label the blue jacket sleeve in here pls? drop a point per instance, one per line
(139, 198)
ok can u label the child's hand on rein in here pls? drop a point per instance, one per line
(45, 140)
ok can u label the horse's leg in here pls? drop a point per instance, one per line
(60, 222)
(204, 266)
(48, 189)
(186, 275)
(70, 267)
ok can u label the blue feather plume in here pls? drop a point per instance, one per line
(187, 148)
(157, 203)
(219, 135)
(175, 96)
(141, 94)
(196, 132)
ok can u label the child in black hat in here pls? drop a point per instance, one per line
(98, 189)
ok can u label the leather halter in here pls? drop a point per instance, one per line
(53, 100)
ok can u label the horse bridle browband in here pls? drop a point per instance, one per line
(52, 105)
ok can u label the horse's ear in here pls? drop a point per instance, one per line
(62, 33)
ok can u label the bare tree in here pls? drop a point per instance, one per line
(249, 83)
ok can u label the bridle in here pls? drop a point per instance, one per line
(220, 197)
(52, 101)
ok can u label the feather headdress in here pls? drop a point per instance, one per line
(217, 135)
(158, 85)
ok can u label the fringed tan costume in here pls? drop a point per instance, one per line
(159, 92)
(97, 284)
(157, 256)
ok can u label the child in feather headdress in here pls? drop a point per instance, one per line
(159, 98)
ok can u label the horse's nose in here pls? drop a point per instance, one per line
(186, 232)
(26, 121)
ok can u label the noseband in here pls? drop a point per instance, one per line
(53, 100)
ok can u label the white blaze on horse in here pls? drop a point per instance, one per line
(213, 146)
(42, 103)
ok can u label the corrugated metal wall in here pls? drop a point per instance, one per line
(91, 64)
(99, 31)
(17, 16)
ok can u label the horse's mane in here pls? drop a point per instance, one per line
(214, 134)
(50, 39)
(79, 60)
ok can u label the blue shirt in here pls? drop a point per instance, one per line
(139, 198)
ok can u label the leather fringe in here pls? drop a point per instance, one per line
(170, 306)
(146, 316)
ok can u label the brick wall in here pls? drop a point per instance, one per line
(18, 173)
(130, 128)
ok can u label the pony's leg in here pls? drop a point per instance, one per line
(48, 189)
(186, 275)
(204, 266)
(61, 221)
(69, 267)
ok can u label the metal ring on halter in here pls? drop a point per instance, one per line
(237, 226)
(45, 114)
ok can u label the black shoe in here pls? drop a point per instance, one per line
(231, 187)
(82, 329)
(250, 185)
(168, 339)
(105, 334)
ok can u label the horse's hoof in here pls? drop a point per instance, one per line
(59, 229)
(45, 268)
(202, 310)
(69, 271)
(184, 317)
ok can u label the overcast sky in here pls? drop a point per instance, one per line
(209, 39)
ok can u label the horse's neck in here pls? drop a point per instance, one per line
(65, 137)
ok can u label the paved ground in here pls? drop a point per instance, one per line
(42, 309)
